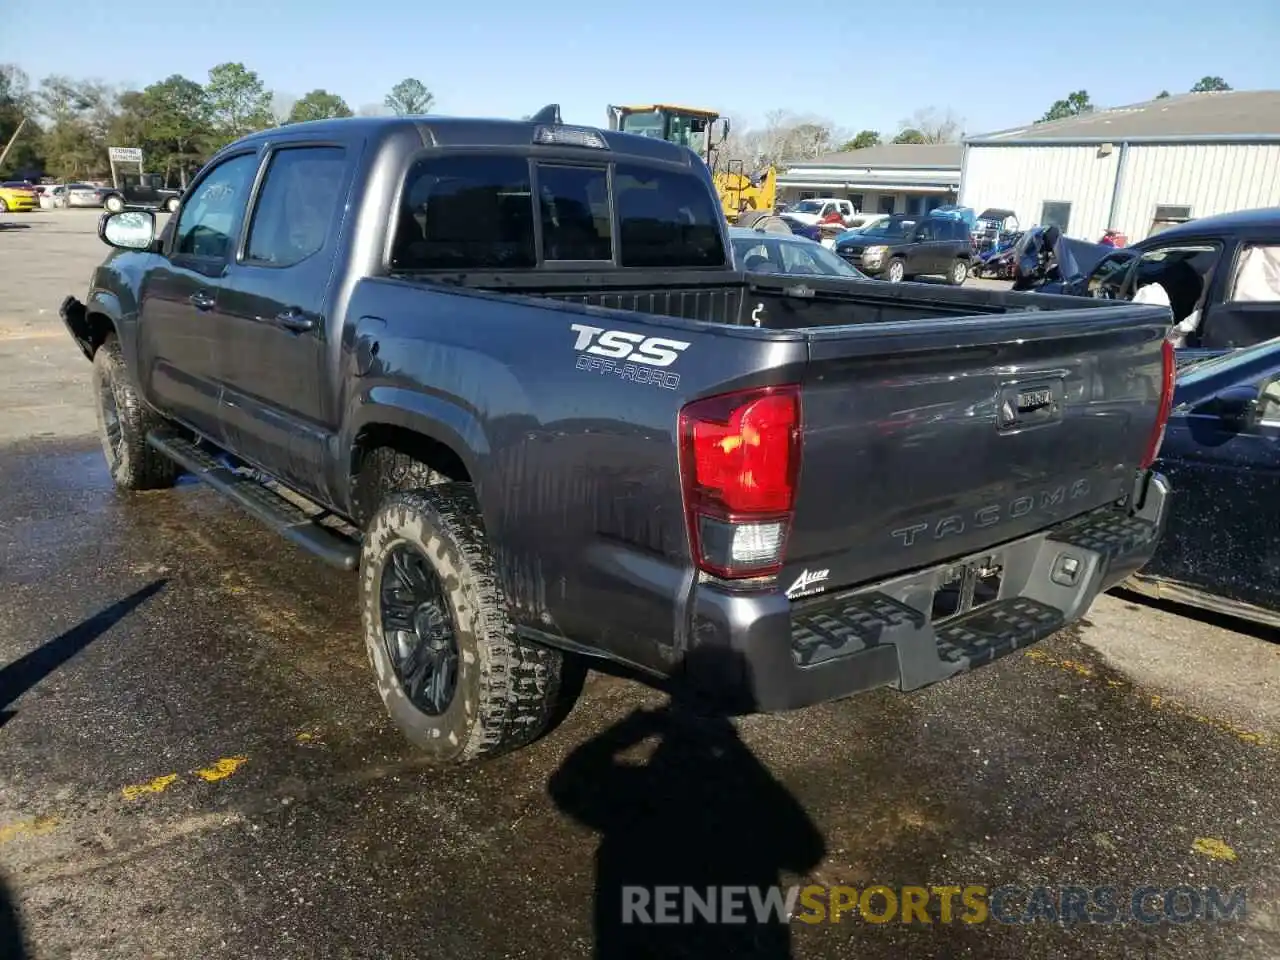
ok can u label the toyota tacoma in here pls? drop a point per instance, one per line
(507, 372)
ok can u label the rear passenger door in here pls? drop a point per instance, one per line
(273, 310)
(926, 252)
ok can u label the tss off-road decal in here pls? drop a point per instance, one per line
(628, 356)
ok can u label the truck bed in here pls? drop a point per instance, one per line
(777, 303)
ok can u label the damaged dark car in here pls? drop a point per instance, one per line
(1219, 276)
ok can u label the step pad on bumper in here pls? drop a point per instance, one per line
(1107, 532)
(989, 632)
(974, 638)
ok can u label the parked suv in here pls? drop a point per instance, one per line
(904, 246)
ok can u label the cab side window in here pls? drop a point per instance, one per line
(1183, 270)
(207, 224)
(465, 212)
(296, 205)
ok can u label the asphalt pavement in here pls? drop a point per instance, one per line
(194, 762)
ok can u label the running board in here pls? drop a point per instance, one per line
(286, 518)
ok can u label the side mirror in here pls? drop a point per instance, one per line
(128, 229)
(1238, 408)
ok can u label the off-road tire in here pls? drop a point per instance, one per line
(113, 204)
(132, 463)
(959, 272)
(508, 689)
(386, 471)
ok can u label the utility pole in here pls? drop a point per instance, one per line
(9, 145)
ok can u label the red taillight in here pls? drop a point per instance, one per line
(1170, 369)
(739, 460)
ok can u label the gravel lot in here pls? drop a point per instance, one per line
(194, 763)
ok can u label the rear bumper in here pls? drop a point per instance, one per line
(765, 653)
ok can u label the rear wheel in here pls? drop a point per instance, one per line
(452, 672)
(114, 204)
(896, 270)
(4, 207)
(959, 272)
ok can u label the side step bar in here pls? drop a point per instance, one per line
(286, 518)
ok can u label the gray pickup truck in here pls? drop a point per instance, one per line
(507, 371)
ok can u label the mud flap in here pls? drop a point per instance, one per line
(76, 320)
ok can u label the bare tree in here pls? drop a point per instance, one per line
(933, 126)
(784, 138)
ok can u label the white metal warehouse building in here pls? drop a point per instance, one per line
(1135, 169)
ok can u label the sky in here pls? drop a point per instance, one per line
(993, 65)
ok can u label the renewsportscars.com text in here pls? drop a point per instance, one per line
(971, 904)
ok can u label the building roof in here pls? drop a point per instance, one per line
(890, 156)
(1239, 115)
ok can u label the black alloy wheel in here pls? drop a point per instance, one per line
(418, 630)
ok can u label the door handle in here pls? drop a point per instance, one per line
(294, 320)
(202, 300)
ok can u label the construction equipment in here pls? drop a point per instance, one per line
(696, 129)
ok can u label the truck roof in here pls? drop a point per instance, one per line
(482, 132)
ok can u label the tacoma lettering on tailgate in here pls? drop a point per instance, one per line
(991, 514)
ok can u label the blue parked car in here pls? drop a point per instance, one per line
(1221, 454)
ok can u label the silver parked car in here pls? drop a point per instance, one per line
(757, 252)
(84, 195)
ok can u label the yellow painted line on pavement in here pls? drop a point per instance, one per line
(222, 769)
(158, 785)
(1256, 738)
(22, 829)
(33, 334)
(1071, 666)
(1213, 848)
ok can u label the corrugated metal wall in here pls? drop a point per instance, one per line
(1209, 178)
(1023, 178)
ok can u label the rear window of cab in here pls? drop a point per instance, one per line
(468, 212)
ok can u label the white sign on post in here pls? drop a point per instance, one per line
(124, 154)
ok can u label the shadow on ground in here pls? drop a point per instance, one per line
(680, 801)
(28, 670)
(1212, 618)
(12, 941)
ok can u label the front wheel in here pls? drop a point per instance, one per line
(959, 273)
(896, 271)
(114, 204)
(452, 672)
(123, 423)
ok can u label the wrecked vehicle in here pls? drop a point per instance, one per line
(1219, 276)
(1222, 454)
(507, 371)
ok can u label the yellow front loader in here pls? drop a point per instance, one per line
(740, 192)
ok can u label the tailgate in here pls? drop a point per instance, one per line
(933, 439)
